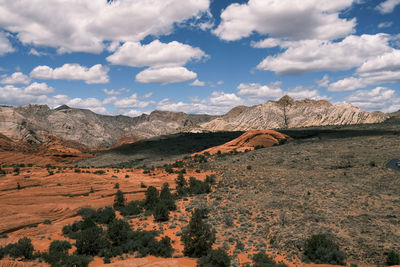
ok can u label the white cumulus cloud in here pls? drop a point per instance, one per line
(256, 90)
(130, 102)
(379, 98)
(72, 26)
(165, 75)
(5, 45)
(155, 53)
(374, 71)
(94, 74)
(297, 19)
(197, 83)
(316, 55)
(16, 78)
(38, 89)
(387, 6)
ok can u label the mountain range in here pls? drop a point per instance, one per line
(36, 124)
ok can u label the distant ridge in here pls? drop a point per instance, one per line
(290, 113)
(34, 123)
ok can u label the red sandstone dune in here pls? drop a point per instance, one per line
(248, 141)
(53, 151)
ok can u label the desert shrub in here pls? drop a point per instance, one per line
(164, 248)
(263, 260)
(119, 200)
(152, 198)
(72, 230)
(87, 213)
(59, 247)
(132, 208)
(393, 258)
(321, 249)
(145, 243)
(167, 197)
(118, 231)
(161, 212)
(228, 220)
(99, 172)
(87, 224)
(77, 260)
(198, 237)
(58, 252)
(118, 238)
(210, 179)
(198, 187)
(90, 241)
(101, 216)
(23, 248)
(105, 215)
(181, 184)
(116, 186)
(142, 185)
(215, 258)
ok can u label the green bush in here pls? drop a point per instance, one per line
(23, 248)
(161, 212)
(132, 208)
(90, 241)
(167, 197)
(164, 247)
(198, 187)
(119, 200)
(152, 198)
(58, 251)
(215, 258)
(393, 258)
(101, 216)
(320, 249)
(181, 184)
(263, 260)
(210, 179)
(77, 260)
(198, 237)
(118, 231)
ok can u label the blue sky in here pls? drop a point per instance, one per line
(198, 56)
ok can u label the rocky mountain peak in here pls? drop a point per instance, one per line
(62, 107)
(285, 100)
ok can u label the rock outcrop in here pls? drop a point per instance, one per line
(289, 113)
(250, 140)
(34, 124)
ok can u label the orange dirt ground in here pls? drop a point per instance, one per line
(59, 196)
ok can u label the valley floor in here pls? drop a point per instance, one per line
(329, 180)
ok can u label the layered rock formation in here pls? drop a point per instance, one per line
(34, 124)
(289, 113)
(250, 140)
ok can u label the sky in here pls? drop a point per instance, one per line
(198, 56)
